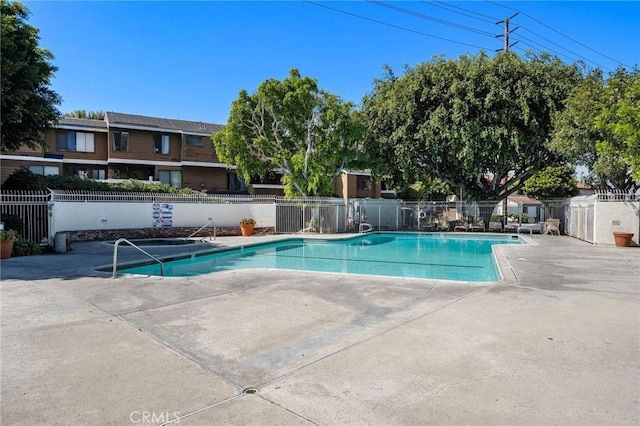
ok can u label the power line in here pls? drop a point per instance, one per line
(579, 57)
(430, 18)
(450, 7)
(562, 47)
(539, 47)
(558, 32)
(393, 25)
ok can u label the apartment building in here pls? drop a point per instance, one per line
(171, 151)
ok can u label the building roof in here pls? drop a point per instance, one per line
(82, 122)
(583, 185)
(523, 200)
(118, 119)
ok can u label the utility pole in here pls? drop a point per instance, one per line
(507, 31)
(507, 45)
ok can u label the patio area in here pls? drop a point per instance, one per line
(556, 342)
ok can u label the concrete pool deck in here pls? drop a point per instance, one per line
(556, 342)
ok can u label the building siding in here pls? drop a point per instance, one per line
(207, 178)
(99, 142)
(204, 153)
(141, 146)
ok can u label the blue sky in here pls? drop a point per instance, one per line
(189, 60)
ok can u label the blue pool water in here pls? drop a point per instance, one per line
(439, 256)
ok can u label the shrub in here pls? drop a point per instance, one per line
(12, 221)
(247, 221)
(25, 248)
(8, 234)
(25, 180)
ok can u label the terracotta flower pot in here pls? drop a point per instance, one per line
(6, 247)
(623, 239)
(247, 229)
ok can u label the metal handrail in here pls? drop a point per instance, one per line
(202, 227)
(115, 256)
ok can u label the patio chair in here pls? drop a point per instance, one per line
(552, 227)
(478, 225)
(443, 223)
(495, 226)
(461, 226)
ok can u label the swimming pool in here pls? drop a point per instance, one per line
(461, 257)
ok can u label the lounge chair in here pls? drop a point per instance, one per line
(443, 224)
(511, 226)
(461, 226)
(478, 225)
(552, 227)
(495, 227)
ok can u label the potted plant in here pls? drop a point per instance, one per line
(7, 237)
(622, 239)
(246, 226)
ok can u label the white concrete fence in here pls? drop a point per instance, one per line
(595, 218)
(72, 211)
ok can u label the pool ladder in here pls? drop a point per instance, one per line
(211, 222)
(115, 256)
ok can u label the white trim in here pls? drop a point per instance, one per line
(358, 173)
(79, 161)
(115, 127)
(81, 129)
(187, 133)
(169, 163)
(266, 186)
(215, 165)
(67, 160)
(144, 162)
(33, 159)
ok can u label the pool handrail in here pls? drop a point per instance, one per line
(211, 222)
(115, 256)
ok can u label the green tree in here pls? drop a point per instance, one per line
(477, 123)
(292, 125)
(28, 104)
(552, 182)
(600, 128)
(427, 189)
(81, 113)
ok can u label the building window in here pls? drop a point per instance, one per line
(171, 177)
(160, 144)
(45, 170)
(194, 141)
(364, 183)
(98, 174)
(75, 141)
(121, 141)
(235, 183)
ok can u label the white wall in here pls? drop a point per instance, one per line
(86, 216)
(616, 216)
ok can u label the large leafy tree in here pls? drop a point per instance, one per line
(600, 128)
(28, 104)
(552, 182)
(478, 123)
(293, 126)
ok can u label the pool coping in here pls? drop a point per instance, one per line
(504, 269)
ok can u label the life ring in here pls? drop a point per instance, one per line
(422, 214)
